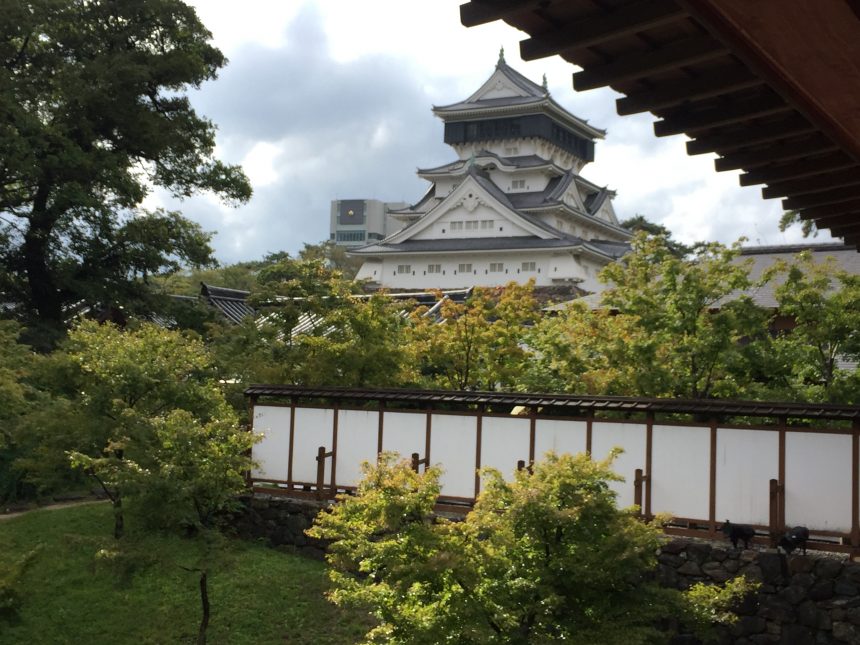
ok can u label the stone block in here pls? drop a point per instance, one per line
(846, 633)
(690, 568)
(851, 573)
(828, 568)
(774, 568)
(698, 552)
(731, 565)
(822, 590)
(800, 564)
(793, 594)
(674, 547)
(805, 580)
(809, 614)
(715, 571)
(776, 609)
(797, 635)
(718, 554)
(844, 588)
(749, 625)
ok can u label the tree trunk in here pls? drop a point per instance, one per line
(44, 296)
(118, 518)
(204, 602)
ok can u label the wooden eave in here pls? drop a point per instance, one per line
(772, 86)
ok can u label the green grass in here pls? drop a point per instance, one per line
(69, 595)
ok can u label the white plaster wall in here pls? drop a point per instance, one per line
(680, 468)
(818, 480)
(544, 274)
(404, 433)
(357, 432)
(502, 226)
(746, 461)
(314, 428)
(629, 436)
(453, 443)
(818, 465)
(504, 441)
(559, 437)
(272, 453)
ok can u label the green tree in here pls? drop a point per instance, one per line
(545, 558)
(17, 399)
(670, 326)
(641, 223)
(480, 343)
(94, 112)
(196, 471)
(823, 301)
(126, 382)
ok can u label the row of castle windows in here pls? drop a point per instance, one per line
(466, 267)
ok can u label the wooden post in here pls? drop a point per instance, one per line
(292, 441)
(480, 423)
(334, 449)
(773, 520)
(379, 429)
(589, 425)
(712, 483)
(637, 489)
(320, 471)
(855, 487)
(649, 442)
(783, 422)
(532, 435)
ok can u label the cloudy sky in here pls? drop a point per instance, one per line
(331, 99)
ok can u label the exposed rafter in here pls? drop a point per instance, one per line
(692, 120)
(799, 169)
(818, 183)
(731, 78)
(785, 151)
(727, 140)
(601, 28)
(636, 64)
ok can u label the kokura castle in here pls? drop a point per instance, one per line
(511, 207)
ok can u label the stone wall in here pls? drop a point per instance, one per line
(813, 599)
(803, 600)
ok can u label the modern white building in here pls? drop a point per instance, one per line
(356, 222)
(513, 205)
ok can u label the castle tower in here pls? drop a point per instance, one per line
(512, 206)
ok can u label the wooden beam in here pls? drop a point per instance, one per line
(638, 64)
(824, 198)
(625, 20)
(775, 153)
(824, 181)
(823, 212)
(848, 229)
(723, 113)
(727, 140)
(715, 83)
(833, 220)
(479, 12)
(798, 169)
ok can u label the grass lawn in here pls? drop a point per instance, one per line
(258, 595)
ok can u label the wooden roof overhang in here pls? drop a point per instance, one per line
(771, 86)
(561, 402)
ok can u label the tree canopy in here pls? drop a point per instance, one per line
(93, 114)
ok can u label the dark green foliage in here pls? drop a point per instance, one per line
(545, 558)
(93, 111)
